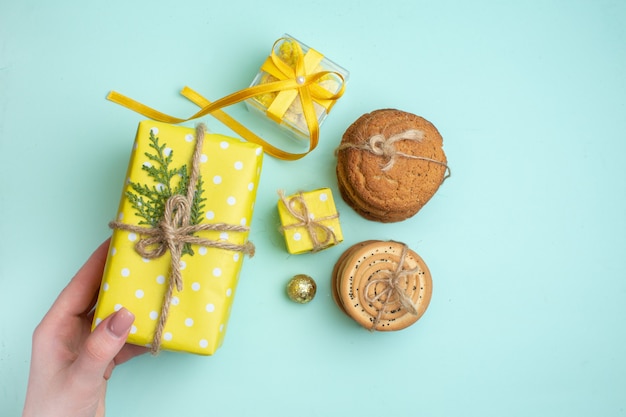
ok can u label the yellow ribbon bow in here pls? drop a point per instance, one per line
(301, 79)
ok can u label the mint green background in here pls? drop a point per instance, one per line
(526, 241)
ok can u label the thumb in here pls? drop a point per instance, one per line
(103, 344)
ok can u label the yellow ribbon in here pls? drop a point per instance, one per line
(300, 80)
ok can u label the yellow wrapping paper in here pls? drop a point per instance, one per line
(198, 315)
(315, 225)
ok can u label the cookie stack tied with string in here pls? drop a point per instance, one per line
(389, 164)
(382, 285)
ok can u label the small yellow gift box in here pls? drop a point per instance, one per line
(319, 84)
(214, 236)
(309, 220)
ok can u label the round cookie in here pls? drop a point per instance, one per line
(389, 164)
(371, 279)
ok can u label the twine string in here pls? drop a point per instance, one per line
(384, 147)
(174, 232)
(313, 226)
(392, 286)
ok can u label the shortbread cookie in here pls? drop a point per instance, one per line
(389, 164)
(382, 285)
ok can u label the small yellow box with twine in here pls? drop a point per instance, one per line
(294, 109)
(180, 236)
(309, 221)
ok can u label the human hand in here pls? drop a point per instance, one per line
(70, 365)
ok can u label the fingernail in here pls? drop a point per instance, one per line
(120, 322)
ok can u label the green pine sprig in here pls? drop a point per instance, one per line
(149, 200)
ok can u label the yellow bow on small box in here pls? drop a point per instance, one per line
(291, 59)
(302, 72)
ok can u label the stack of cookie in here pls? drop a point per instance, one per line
(389, 164)
(382, 285)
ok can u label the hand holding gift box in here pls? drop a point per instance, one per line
(178, 243)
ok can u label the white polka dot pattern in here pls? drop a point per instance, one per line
(321, 208)
(198, 315)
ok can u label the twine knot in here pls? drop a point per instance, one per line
(384, 147)
(297, 207)
(173, 232)
(392, 283)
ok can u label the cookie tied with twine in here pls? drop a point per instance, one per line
(297, 214)
(382, 285)
(389, 164)
(174, 231)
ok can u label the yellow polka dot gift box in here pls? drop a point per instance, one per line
(309, 220)
(180, 236)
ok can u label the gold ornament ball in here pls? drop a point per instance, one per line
(301, 288)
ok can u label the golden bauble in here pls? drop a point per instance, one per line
(301, 288)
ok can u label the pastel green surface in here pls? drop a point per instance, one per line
(526, 241)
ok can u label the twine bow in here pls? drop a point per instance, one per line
(174, 232)
(297, 207)
(392, 286)
(300, 79)
(382, 146)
